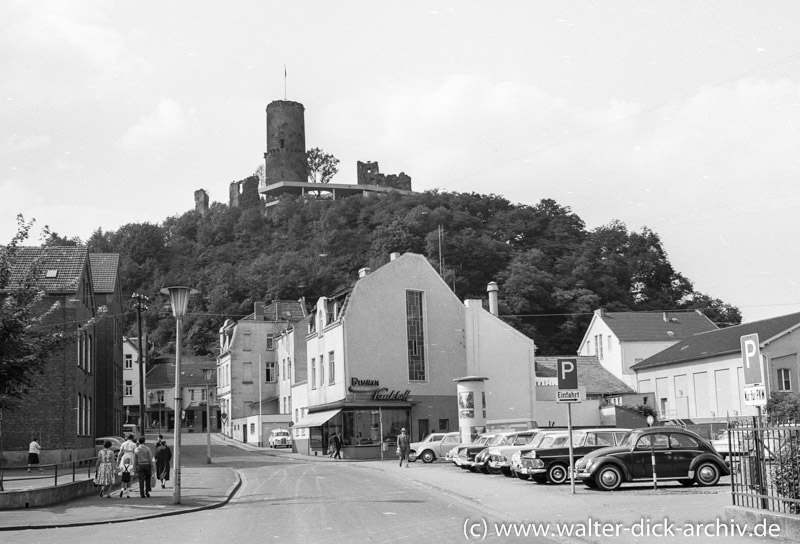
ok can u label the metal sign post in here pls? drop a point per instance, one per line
(568, 392)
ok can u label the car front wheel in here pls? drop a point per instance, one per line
(557, 474)
(608, 478)
(428, 456)
(707, 474)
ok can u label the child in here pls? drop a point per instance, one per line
(126, 470)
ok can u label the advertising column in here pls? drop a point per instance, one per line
(471, 407)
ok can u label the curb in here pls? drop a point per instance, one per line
(232, 490)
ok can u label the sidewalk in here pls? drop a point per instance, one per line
(202, 488)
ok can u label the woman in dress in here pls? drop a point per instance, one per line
(126, 451)
(163, 459)
(105, 469)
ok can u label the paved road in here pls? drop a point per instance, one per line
(289, 498)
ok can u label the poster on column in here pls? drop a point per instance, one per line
(466, 404)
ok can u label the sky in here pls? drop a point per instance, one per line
(678, 116)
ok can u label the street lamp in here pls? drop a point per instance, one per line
(179, 297)
(208, 375)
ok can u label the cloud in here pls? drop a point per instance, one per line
(166, 123)
(16, 142)
(69, 46)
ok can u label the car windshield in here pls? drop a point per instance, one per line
(537, 440)
(629, 440)
(499, 440)
(578, 439)
(553, 440)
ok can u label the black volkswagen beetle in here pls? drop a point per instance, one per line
(679, 455)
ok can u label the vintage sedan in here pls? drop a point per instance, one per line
(458, 458)
(679, 455)
(536, 441)
(552, 464)
(503, 440)
(499, 457)
(434, 446)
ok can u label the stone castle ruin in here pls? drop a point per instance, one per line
(286, 169)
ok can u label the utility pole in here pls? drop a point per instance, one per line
(139, 306)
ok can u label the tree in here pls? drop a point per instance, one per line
(25, 344)
(321, 166)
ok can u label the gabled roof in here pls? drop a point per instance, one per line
(655, 326)
(105, 269)
(719, 342)
(591, 375)
(60, 269)
(162, 373)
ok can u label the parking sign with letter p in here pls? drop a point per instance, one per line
(567, 373)
(751, 359)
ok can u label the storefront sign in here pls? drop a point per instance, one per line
(384, 394)
(361, 386)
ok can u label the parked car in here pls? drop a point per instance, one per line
(280, 438)
(479, 456)
(536, 441)
(498, 458)
(465, 454)
(551, 464)
(116, 442)
(679, 455)
(434, 446)
(729, 443)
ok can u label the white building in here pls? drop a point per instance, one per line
(701, 378)
(247, 371)
(619, 340)
(130, 379)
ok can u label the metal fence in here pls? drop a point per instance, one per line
(14, 478)
(765, 465)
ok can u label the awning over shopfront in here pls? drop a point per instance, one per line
(315, 420)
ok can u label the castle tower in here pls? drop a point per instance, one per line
(201, 201)
(285, 159)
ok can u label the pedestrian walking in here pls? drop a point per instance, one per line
(126, 451)
(163, 460)
(104, 470)
(126, 473)
(143, 465)
(34, 449)
(403, 446)
(337, 446)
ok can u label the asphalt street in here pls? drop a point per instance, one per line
(293, 498)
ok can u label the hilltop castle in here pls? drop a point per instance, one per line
(286, 169)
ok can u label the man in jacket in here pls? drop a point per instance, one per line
(404, 445)
(143, 465)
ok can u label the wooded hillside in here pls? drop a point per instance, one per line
(552, 272)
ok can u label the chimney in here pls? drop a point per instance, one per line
(259, 311)
(393, 256)
(492, 290)
(363, 272)
(600, 312)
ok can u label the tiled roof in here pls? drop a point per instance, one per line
(719, 342)
(656, 326)
(60, 269)
(105, 269)
(162, 373)
(281, 310)
(591, 375)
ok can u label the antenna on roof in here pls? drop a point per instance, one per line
(284, 82)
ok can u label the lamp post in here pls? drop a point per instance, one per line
(208, 375)
(160, 402)
(179, 297)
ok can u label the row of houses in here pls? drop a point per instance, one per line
(383, 354)
(386, 353)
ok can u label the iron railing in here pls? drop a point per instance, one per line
(765, 465)
(14, 478)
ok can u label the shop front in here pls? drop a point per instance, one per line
(368, 431)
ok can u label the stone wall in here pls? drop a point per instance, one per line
(244, 193)
(368, 173)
